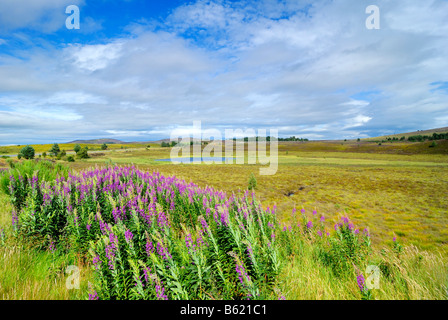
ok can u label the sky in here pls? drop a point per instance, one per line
(136, 70)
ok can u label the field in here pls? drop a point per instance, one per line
(395, 190)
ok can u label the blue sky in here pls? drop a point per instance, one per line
(136, 70)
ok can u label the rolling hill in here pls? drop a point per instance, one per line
(99, 141)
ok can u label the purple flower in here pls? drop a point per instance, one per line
(93, 296)
(149, 248)
(51, 247)
(319, 233)
(160, 292)
(128, 236)
(15, 218)
(113, 239)
(225, 218)
(394, 239)
(361, 281)
(104, 227)
(309, 225)
(162, 220)
(88, 227)
(110, 255)
(204, 224)
(162, 251)
(366, 232)
(146, 273)
(314, 212)
(322, 218)
(97, 262)
(242, 275)
(188, 240)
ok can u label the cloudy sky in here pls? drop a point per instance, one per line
(136, 69)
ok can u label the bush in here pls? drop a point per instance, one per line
(70, 158)
(45, 170)
(77, 148)
(347, 249)
(27, 152)
(175, 248)
(55, 149)
(83, 154)
(252, 182)
(103, 146)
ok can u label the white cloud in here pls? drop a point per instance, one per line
(94, 57)
(292, 66)
(41, 15)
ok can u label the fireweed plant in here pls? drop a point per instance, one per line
(148, 236)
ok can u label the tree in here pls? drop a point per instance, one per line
(104, 146)
(27, 152)
(55, 149)
(70, 158)
(77, 148)
(82, 154)
(44, 154)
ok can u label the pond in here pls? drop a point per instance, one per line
(198, 159)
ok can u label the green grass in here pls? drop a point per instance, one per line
(392, 194)
(40, 148)
(28, 274)
(397, 189)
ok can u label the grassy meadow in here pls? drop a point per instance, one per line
(396, 189)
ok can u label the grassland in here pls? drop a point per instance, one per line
(391, 194)
(68, 147)
(396, 189)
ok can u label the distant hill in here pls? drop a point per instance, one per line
(99, 141)
(407, 134)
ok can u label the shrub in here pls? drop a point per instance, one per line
(70, 158)
(347, 249)
(103, 146)
(27, 152)
(186, 243)
(45, 170)
(83, 153)
(77, 148)
(252, 182)
(55, 149)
